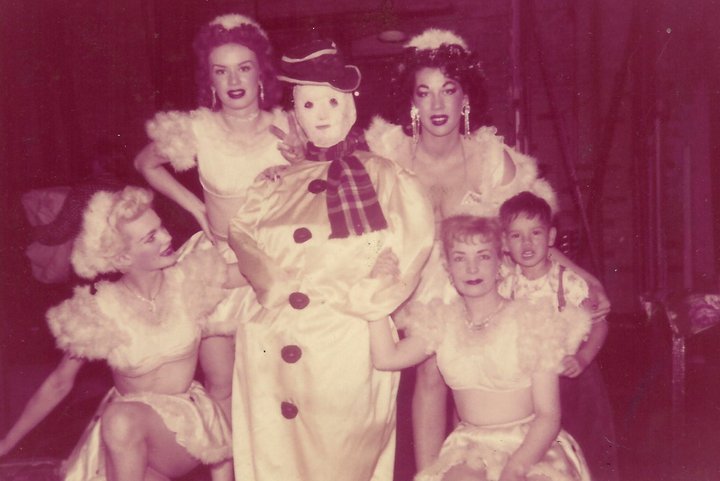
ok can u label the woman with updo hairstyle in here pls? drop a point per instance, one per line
(466, 169)
(230, 140)
(248, 34)
(456, 63)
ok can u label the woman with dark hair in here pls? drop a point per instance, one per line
(230, 141)
(466, 169)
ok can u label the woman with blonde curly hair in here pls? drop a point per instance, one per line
(156, 422)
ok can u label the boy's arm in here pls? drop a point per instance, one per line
(53, 390)
(592, 345)
(598, 296)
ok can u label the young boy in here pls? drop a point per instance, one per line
(528, 234)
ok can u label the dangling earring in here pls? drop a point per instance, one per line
(415, 123)
(214, 98)
(262, 93)
(466, 117)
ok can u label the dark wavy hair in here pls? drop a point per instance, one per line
(213, 35)
(528, 204)
(454, 62)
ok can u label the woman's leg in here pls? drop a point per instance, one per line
(217, 357)
(140, 446)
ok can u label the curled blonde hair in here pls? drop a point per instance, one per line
(100, 243)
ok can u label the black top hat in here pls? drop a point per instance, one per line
(319, 63)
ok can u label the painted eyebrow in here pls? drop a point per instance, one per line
(240, 64)
(149, 234)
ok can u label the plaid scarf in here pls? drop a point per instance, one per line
(350, 196)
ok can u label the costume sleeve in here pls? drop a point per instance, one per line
(410, 235)
(204, 273)
(271, 283)
(174, 138)
(82, 329)
(545, 335)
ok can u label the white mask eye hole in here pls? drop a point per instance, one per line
(334, 102)
(308, 105)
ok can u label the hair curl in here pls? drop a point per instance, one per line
(463, 228)
(454, 62)
(100, 241)
(214, 35)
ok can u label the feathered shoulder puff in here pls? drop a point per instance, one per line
(174, 137)
(82, 329)
(545, 335)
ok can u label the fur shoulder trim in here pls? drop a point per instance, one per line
(389, 141)
(174, 137)
(545, 335)
(82, 328)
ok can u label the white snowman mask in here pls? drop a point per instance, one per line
(325, 114)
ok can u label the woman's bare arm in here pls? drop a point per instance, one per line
(151, 166)
(54, 389)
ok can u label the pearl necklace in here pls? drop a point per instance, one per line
(152, 307)
(484, 321)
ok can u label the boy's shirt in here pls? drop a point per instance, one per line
(516, 286)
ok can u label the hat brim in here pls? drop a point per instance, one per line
(349, 81)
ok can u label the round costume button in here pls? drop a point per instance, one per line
(299, 300)
(301, 235)
(288, 410)
(291, 354)
(316, 186)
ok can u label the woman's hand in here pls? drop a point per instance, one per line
(293, 142)
(513, 472)
(387, 264)
(200, 214)
(272, 174)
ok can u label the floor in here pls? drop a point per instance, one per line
(635, 363)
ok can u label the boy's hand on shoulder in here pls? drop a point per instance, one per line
(597, 302)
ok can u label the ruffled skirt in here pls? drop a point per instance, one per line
(488, 448)
(197, 421)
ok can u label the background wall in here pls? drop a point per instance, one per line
(617, 100)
